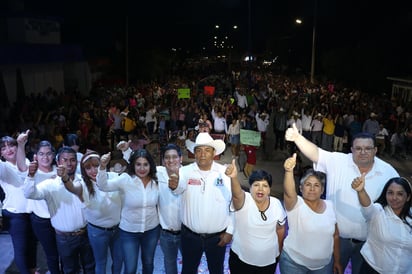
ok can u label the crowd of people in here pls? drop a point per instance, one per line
(84, 172)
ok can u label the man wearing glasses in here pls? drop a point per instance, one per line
(341, 169)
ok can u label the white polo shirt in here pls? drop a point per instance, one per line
(206, 198)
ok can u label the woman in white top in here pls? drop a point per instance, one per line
(40, 215)
(139, 220)
(16, 217)
(102, 212)
(388, 246)
(313, 236)
(259, 224)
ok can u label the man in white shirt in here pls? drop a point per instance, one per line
(341, 169)
(169, 206)
(66, 212)
(306, 123)
(241, 98)
(219, 122)
(206, 195)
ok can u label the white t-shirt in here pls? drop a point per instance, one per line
(310, 236)
(255, 241)
(39, 207)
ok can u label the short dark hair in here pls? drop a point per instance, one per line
(170, 147)
(260, 175)
(364, 135)
(45, 143)
(8, 140)
(65, 149)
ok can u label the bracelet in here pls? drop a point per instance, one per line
(65, 181)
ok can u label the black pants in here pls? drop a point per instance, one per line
(237, 266)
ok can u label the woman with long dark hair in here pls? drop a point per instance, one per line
(388, 246)
(139, 221)
(102, 212)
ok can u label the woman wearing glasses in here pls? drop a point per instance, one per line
(388, 246)
(40, 216)
(259, 224)
(139, 220)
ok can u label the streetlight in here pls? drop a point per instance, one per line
(312, 65)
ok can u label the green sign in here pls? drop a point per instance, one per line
(250, 137)
(183, 93)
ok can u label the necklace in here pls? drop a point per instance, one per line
(262, 212)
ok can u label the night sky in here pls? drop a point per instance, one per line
(99, 26)
(190, 23)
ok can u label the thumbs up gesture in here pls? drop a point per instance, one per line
(231, 169)
(290, 163)
(358, 183)
(62, 172)
(292, 133)
(33, 166)
(104, 160)
(174, 179)
(23, 137)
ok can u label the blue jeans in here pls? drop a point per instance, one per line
(131, 242)
(101, 240)
(351, 250)
(193, 247)
(43, 230)
(287, 265)
(73, 249)
(23, 239)
(170, 245)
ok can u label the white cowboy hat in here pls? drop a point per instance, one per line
(204, 139)
(117, 163)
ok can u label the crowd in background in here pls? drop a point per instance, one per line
(153, 112)
(325, 113)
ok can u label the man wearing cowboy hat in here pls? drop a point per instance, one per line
(206, 195)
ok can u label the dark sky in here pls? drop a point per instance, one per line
(189, 24)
